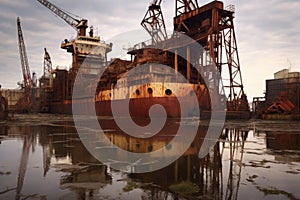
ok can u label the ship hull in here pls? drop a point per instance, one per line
(175, 100)
(138, 107)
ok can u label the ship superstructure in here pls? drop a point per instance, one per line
(83, 46)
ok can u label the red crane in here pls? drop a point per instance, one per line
(27, 80)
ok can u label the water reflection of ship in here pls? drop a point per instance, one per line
(161, 139)
(63, 143)
(208, 174)
(215, 176)
(86, 174)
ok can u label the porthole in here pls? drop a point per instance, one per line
(137, 145)
(169, 146)
(137, 92)
(150, 91)
(150, 148)
(168, 92)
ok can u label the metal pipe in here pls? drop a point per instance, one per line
(188, 63)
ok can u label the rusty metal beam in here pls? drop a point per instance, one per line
(212, 26)
(153, 22)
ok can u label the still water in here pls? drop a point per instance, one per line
(42, 157)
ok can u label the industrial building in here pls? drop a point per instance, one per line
(282, 97)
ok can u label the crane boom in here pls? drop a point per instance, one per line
(154, 23)
(79, 24)
(24, 64)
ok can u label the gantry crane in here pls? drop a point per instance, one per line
(27, 80)
(154, 23)
(76, 22)
(212, 27)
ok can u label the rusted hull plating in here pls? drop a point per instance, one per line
(137, 107)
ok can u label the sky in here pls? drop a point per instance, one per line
(268, 34)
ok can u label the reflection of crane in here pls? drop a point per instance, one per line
(23, 163)
(236, 139)
(79, 24)
(154, 22)
(28, 83)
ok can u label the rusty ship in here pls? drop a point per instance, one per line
(210, 26)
